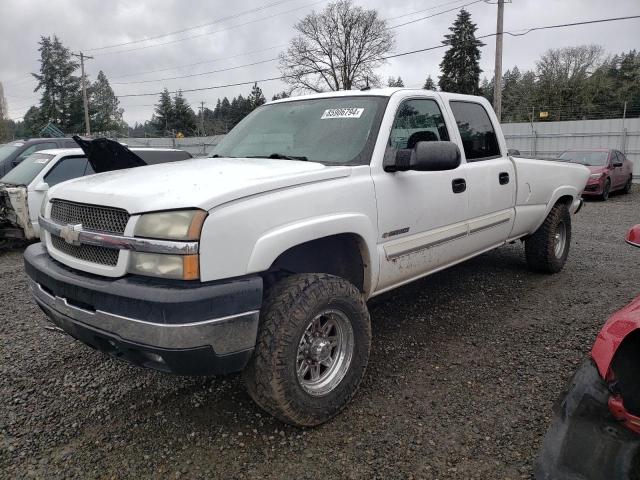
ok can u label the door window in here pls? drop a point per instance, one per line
(417, 121)
(619, 159)
(35, 148)
(66, 169)
(479, 138)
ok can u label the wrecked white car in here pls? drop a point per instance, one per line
(23, 189)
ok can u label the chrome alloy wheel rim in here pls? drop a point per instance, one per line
(325, 352)
(560, 239)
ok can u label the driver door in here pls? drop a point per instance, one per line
(421, 215)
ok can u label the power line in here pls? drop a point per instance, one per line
(196, 74)
(210, 33)
(424, 10)
(411, 52)
(435, 14)
(201, 63)
(274, 59)
(261, 50)
(213, 22)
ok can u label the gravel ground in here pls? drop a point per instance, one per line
(465, 367)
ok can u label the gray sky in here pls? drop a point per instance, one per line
(91, 24)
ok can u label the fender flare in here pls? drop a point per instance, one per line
(275, 242)
(563, 191)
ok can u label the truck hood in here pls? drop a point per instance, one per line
(199, 183)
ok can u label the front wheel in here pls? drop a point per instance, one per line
(606, 190)
(312, 349)
(548, 248)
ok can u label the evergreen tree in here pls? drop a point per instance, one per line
(429, 84)
(282, 94)
(164, 116)
(395, 82)
(4, 125)
(461, 63)
(184, 120)
(106, 116)
(486, 90)
(32, 122)
(256, 98)
(60, 88)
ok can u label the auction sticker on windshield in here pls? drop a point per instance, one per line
(342, 113)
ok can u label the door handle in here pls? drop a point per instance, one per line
(503, 178)
(458, 185)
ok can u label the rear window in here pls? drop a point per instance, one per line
(26, 171)
(478, 135)
(153, 157)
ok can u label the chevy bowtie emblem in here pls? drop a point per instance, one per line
(71, 233)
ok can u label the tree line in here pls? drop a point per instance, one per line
(340, 48)
(174, 115)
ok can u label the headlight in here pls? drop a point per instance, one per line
(183, 267)
(178, 225)
(595, 176)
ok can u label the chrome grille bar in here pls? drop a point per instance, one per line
(120, 242)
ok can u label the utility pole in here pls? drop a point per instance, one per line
(204, 134)
(85, 100)
(497, 78)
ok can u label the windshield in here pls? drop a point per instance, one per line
(8, 149)
(593, 159)
(333, 131)
(26, 171)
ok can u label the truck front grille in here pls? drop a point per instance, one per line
(88, 253)
(92, 217)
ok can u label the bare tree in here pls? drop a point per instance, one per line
(336, 49)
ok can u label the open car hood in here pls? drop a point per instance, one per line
(106, 155)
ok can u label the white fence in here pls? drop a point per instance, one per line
(548, 139)
(540, 139)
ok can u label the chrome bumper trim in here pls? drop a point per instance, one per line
(225, 334)
(120, 242)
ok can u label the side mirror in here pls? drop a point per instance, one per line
(426, 157)
(41, 187)
(617, 164)
(512, 152)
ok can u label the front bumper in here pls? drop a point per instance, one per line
(594, 187)
(189, 328)
(584, 441)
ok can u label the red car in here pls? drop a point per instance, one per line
(611, 170)
(595, 431)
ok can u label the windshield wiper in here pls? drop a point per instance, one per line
(281, 156)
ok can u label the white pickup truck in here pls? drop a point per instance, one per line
(261, 258)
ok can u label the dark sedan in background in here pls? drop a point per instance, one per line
(610, 169)
(12, 153)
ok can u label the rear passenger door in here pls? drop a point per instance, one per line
(491, 182)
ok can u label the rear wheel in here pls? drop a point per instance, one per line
(312, 348)
(606, 190)
(628, 185)
(548, 248)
